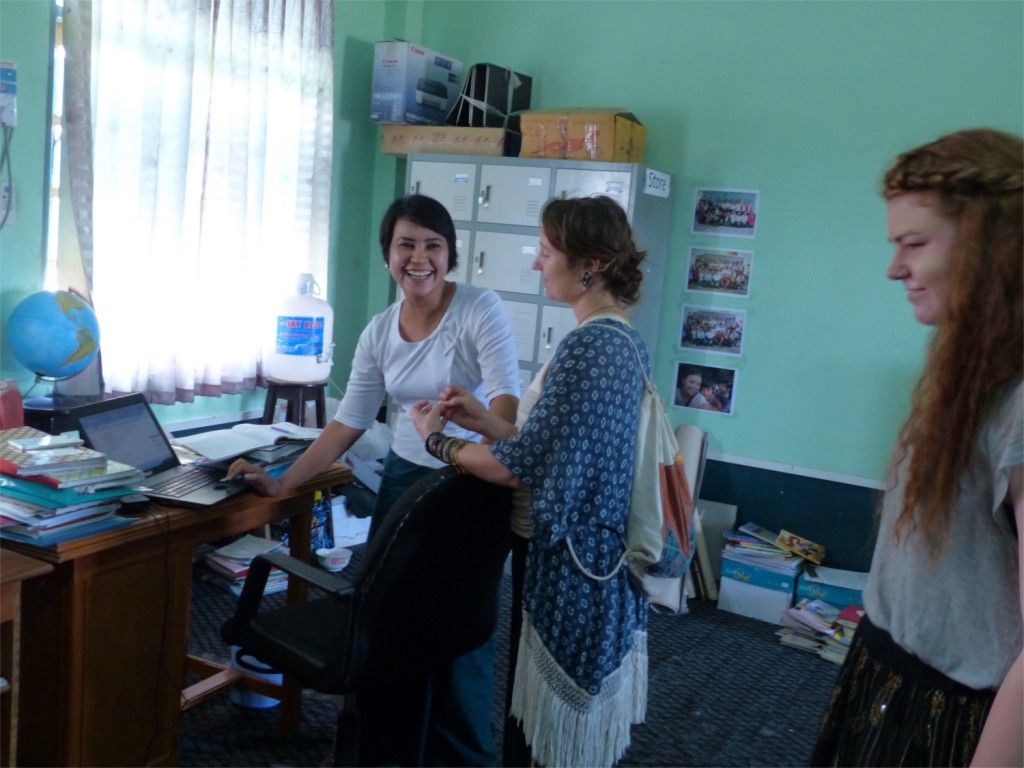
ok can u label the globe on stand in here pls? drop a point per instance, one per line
(54, 334)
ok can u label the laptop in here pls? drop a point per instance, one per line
(126, 430)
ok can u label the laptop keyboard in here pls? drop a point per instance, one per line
(184, 483)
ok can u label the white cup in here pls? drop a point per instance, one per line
(334, 559)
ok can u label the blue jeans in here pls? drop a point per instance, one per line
(442, 717)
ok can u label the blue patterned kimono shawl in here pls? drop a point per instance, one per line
(581, 679)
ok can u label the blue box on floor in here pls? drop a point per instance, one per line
(835, 587)
(755, 592)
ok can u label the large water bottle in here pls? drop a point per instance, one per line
(302, 346)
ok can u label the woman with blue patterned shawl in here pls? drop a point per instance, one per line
(580, 678)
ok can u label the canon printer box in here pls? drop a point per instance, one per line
(412, 84)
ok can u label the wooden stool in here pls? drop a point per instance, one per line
(296, 395)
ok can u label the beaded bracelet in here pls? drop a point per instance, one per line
(445, 449)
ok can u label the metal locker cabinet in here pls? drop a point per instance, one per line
(506, 195)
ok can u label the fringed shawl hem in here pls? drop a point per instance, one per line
(564, 724)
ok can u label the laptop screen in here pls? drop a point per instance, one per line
(126, 430)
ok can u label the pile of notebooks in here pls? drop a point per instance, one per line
(229, 564)
(821, 628)
(53, 488)
(756, 546)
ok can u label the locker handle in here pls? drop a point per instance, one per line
(414, 188)
(547, 340)
(485, 196)
(480, 263)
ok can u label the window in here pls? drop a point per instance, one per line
(198, 146)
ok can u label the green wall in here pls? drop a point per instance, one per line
(805, 101)
(25, 40)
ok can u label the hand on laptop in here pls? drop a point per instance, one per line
(257, 477)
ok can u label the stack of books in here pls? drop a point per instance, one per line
(821, 628)
(39, 514)
(60, 462)
(230, 564)
(52, 488)
(753, 545)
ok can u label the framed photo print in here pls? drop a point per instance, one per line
(712, 330)
(730, 212)
(705, 388)
(719, 270)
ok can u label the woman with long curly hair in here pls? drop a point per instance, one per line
(935, 675)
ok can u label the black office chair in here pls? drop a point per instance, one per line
(425, 591)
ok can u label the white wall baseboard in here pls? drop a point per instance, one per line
(793, 469)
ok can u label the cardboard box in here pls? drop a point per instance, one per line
(447, 139)
(835, 587)
(755, 592)
(491, 98)
(412, 84)
(607, 135)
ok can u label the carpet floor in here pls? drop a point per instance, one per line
(722, 692)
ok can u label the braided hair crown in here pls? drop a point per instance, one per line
(980, 162)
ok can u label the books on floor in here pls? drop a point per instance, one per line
(744, 546)
(230, 563)
(819, 627)
(790, 542)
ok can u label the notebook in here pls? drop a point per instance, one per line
(126, 430)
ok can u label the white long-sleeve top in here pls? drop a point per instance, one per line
(472, 346)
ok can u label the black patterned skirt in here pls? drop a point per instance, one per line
(889, 708)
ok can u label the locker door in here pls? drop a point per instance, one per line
(581, 182)
(451, 184)
(523, 318)
(555, 323)
(512, 194)
(463, 245)
(503, 262)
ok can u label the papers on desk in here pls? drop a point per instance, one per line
(223, 444)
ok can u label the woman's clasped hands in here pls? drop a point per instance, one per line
(457, 405)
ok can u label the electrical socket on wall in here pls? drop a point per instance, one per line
(8, 93)
(6, 196)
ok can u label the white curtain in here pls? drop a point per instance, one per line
(210, 163)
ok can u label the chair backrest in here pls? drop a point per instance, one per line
(428, 584)
(425, 590)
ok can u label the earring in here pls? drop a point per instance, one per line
(587, 279)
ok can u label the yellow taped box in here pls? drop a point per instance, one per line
(607, 135)
(401, 139)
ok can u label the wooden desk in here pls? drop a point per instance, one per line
(14, 569)
(105, 634)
